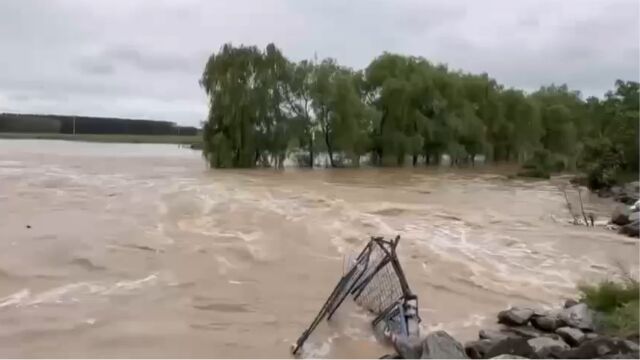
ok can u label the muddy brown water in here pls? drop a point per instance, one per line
(125, 250)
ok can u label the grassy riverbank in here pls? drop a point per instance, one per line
(113, 138)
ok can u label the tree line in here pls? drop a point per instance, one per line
(67, 124)
(402, 109)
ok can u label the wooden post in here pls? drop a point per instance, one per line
(586, 223)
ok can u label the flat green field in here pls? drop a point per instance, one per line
(117, 138)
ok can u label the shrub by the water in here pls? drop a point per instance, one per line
(618, 302)
(542, 164)
(602, 161)
(534, 173)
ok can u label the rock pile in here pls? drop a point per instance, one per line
(628, 218)
(524, 333)
(627, 194)
(563, 333)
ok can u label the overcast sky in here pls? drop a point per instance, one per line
(142, 59)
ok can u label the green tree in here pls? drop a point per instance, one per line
(323, 95)
(263, 106)
(245, 125)
(298, 95)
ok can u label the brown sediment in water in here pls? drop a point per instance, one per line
(192, 262)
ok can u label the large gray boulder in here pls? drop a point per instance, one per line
(591, 336)
(407, 348)
(479, 348)
(515, 316)
(507, 356)
(632, 229)
(629, 194)
(545, 346)
(620, 215)
(634, 216)
(571, 336)
(632, 346)
(491, 335)
(440, 345)
(578, 316)
(602, 347)
(627, 198)
(529, 332)
(495, 335)
(569, 303)
(511, 346)
(549, 322)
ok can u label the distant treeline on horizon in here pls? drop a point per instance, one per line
(64, 124)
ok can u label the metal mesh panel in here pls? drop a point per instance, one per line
(394, 320)
(348, 282)
(382, 291)
(376, 282)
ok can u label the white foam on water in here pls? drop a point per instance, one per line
(127, 285)
(15, 298)
(315, 350)
(72, 293)
(507, 269)
(63, 294)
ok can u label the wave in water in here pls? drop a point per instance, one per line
(71, 293)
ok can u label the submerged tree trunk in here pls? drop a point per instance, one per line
(329, 149)
(311, 160)
(355, 162)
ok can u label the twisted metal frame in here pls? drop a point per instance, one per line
(377, 283)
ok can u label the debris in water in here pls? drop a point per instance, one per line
(375, 281)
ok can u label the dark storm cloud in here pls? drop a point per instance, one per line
(143, 58)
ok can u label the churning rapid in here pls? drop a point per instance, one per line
(123, 250)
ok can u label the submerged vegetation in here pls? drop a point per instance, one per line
(406, 110)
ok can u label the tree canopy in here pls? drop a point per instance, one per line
(400, 108)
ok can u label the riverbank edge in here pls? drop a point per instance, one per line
(189, 140)
(573, 331)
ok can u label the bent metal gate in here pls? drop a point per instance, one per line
(375, 281)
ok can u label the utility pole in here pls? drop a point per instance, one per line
(74, 124)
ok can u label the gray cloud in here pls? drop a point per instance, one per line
(143, 58)
(91, 66)
(149, 61)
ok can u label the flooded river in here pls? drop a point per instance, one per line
(126, 250)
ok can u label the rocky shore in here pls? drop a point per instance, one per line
(570, 332)
(627, 194)
(627, 217)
